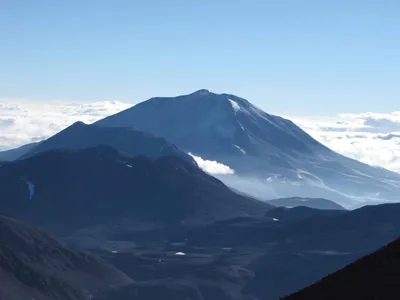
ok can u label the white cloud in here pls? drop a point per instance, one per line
(26, 121)
(212, 166)
(373, 138)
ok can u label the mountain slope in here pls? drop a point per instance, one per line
(125, 139)
(14, 154)
(375, 276)
(231, 130)
(35, 266)
(100, 186)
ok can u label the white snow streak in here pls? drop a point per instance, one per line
(31, 188)
(241, 149)
(234, 104)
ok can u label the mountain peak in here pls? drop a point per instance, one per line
(78, 123)
(202, 92)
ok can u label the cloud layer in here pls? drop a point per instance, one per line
(24, 122)
(373, 138)
(212, 167)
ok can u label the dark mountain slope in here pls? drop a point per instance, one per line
(14, 154)
(35, 266)
(100, 186)
(231, 130)
(375, 276)
(127, 140)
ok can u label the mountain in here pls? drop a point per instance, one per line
(127, 140)
(375, 276)
(101, 186)
(14, 154)
(35, 266)
(231, 130)
(316, 203)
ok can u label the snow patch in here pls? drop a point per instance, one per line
(241, 149)
(31, 188)
(234, 104)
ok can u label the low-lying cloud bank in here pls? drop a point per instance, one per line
(23, 122)
(212, 167)
(373, 138)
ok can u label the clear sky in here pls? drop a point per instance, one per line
(287, 56)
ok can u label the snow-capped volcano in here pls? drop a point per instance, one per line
(231, 130)
(205, 122)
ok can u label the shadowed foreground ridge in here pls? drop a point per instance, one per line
(100, 186)
(35, 266)
(375, 276)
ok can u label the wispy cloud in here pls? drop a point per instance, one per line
(212, 166)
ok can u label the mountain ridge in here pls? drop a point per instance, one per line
(102, 186)
(127, 140)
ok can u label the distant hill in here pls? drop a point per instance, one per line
(317, 203)
(101, 186)
(375, 276)
(35, 266)
(301, 213)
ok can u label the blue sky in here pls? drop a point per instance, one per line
(289, 57)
